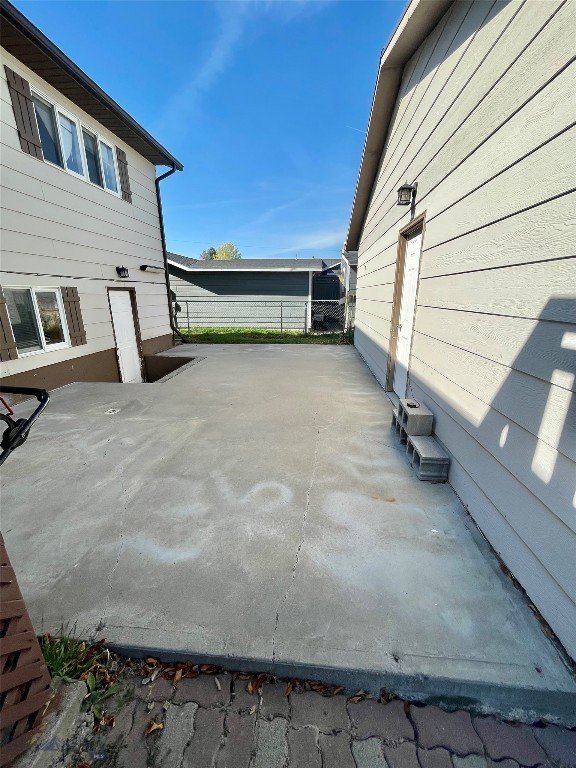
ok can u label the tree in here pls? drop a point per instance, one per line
(227, 251)
(209, 254)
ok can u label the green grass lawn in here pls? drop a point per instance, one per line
(261, 336)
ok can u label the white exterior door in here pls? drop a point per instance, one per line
(407, 311)
(125, 332)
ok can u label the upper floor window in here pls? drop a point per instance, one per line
(37, 318)
(107, 155)
(69, 145)
(46, 119)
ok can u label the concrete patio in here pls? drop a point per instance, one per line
(256, 509)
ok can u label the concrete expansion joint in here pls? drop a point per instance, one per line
(102, 624)
(302, 539)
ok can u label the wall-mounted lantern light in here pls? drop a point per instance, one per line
(407, 196)
(122, 271)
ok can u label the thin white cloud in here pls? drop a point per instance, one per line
(232, 22)
(270, 213)
(313, 241)
(234, 19)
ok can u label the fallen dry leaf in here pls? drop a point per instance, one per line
(151, 661)
(108, 721)
(151, 727)
(210, 669)
(358, 696)
(177, 676)
(255, 684)
(385, 697)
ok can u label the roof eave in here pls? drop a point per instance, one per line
(247, 269)
(11, 15)
(418, 20)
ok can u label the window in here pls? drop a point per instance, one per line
(73, 147)
(92, 157)
(109, 167)
(48, 131)
(70, 144)
(37, 319)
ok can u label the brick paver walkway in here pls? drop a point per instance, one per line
(212, 721)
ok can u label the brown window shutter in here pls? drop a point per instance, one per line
(124, 178)
(23, 107)
(8, 349)
(73, 316)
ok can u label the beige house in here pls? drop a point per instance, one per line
(466, 297)
(84, 284)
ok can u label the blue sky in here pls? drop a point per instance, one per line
(265, 103)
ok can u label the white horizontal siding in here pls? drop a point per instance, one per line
(59, 230)
(485, 123)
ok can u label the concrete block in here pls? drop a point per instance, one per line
(336, 752)
(398, 428)
(271, 744)
(451, 730)
(59, 725)
(427, 458)
(414, 418)
(325, 713)
(368, 754)
(387, 722)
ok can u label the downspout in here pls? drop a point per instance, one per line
(165, 252)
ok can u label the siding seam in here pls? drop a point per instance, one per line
(501, 266)
(484, 58)
(426, 391)
(493, 408)
(483, 357)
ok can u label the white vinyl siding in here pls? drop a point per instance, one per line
(483, 122)
(60, 230)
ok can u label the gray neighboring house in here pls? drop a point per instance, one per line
(250, 292)
(467, 302)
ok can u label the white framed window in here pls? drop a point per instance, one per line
(93, 163)
(37, 318)
(109, 165)
(70, 144)
(73, 146)
(46, 119)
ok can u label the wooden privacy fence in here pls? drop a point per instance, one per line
(24, 678)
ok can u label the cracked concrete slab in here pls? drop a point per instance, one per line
(256, 509)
